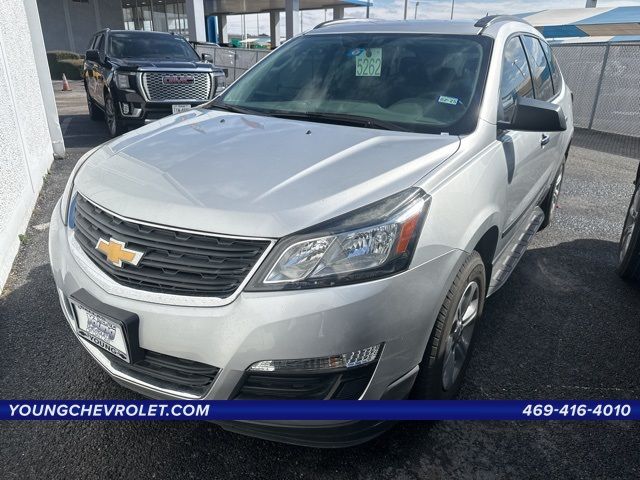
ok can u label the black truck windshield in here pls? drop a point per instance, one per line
(407, 82)
(150, 45)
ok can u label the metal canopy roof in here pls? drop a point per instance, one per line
(234, 7)
(583, 22)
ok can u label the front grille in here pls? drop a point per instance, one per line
(156, 90)
(347, 384)
(173, 262)
(173, 373)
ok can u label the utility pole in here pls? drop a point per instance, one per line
(368, 2)
(453, 3)
(406, 4)
(415, 13)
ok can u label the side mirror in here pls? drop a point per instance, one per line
(92, 56)
(532, 115)
(207, 57)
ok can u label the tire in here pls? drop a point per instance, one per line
(115, 125)
(439, 378)
(95, 113)
(629, 246)
(550, 201)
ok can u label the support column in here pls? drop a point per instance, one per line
(44, 78)
(274, 28)
(223, 32)
(338, 13)
(292, 18)
(195, 17)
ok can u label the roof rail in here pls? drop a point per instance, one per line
(486, 22)
(342, 20)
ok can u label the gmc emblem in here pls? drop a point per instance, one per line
(178, 79)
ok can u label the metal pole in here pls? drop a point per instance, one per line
(406, 4)
(415, 13)
(453, 3)
(595, 102)
(368, 2)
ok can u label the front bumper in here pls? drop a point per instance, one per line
(142, 110)
(398, 311)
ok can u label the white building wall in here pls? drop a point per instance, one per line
(26, 150)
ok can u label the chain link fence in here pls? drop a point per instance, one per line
(234, 61)
(605, 79)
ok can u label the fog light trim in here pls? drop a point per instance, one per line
(357, 358)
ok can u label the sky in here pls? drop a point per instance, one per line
(427, 9)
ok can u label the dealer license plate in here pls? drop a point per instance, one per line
(102, 331)
(180, 108)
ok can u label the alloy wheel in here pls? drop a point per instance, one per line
(556, 192)
(459, 338)
(629, 225)
(110, 115)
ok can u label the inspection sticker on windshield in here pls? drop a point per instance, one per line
(448, 100)
(369, 62)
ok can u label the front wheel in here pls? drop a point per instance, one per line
(629, 246)
(448, 351)
(114, 122)
(94, 112)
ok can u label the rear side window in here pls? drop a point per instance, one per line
(516, 78)
(555, 69)
(540, 70)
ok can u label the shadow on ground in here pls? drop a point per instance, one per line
(81, 132)
(564, 326)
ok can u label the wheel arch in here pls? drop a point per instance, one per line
(486, 246)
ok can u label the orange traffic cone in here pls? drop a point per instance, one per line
(65, 83)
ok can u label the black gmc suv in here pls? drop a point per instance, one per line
(133, 76)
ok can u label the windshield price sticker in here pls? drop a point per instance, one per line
(369, 62)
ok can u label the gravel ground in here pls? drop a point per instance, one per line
(564, 326)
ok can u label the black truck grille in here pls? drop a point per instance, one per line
(196, 86)
(173, 373)
(173, 262)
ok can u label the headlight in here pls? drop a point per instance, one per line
(122, 80)
(371, 242)
(67, 195)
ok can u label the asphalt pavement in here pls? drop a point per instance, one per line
(563, 327)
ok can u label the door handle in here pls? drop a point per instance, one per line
(544, 139)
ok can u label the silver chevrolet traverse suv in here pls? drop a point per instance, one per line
(327, 228)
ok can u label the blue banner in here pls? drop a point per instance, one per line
(320, 410)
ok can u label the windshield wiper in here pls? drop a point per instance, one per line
(231, 108)
(343, 118)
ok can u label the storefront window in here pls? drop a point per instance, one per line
(127, 16)
(158, 15)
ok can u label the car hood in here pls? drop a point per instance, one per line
(253, 175)
(160, 64)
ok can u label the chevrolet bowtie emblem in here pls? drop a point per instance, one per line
(117, 253)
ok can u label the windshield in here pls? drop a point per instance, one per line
(150, 45)
(421, 83)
